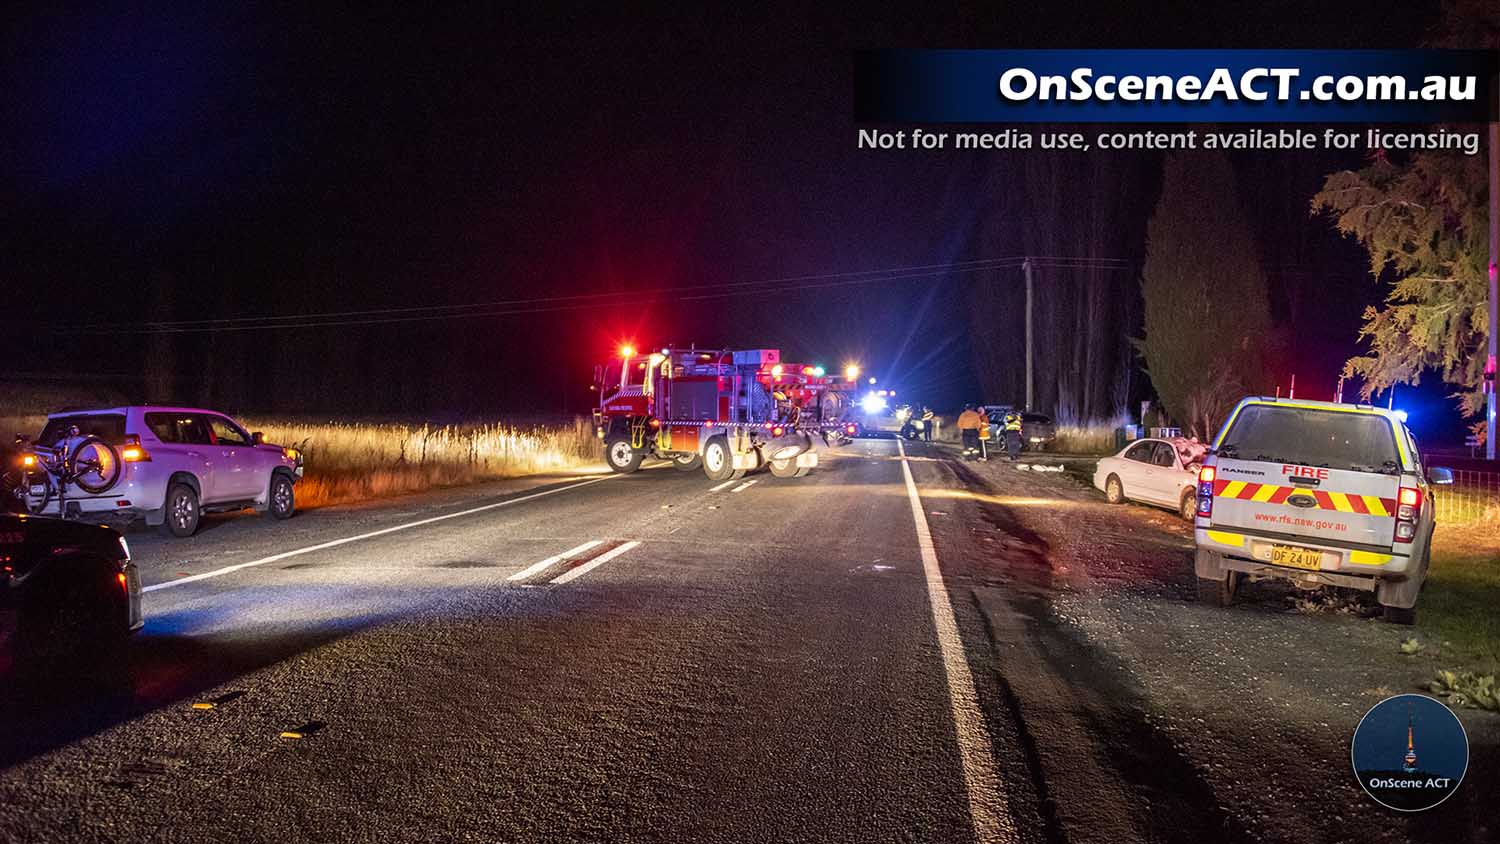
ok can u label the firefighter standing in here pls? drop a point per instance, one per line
(984, 435)
(929, 420)
(968, 430)
(1013, 435)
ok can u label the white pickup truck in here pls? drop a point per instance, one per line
(1318, 493)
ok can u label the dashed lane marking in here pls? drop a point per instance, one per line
(553, 560)
(744, 486)
(992, 821)
(574, 574)
(721, 486)
(372, 534)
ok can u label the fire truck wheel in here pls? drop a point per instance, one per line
(621, 456)
(687, 462)
(718, 460)
(787, 468)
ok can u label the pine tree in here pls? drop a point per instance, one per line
(1424, 224)
(1207, 321)
(1423, 221)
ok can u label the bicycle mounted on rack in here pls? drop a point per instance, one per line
(37, 474)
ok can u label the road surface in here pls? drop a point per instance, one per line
(877, 652)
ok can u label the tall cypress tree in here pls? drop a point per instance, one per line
(1207, 321)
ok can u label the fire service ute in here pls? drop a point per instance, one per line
(730, 412)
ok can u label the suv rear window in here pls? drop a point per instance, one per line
(109, 427)
(1362, 442)
(179, 428)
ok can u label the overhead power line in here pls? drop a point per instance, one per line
(580, 301)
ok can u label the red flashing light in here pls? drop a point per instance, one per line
(1206, 475)
(124, 582)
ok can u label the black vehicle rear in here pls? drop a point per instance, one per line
(69, 596)
(1037, 429)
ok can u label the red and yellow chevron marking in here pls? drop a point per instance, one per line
(1365, 505)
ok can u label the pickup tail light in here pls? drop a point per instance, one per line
(1408, 508)
(1206, 491)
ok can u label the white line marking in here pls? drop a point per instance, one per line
(992, 823)
(311, 548)
(553, 560)
(598, 561)
(744, 486)
(721, 486)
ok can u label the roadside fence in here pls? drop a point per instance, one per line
(1473, 498)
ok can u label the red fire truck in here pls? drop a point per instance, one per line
(730, 412)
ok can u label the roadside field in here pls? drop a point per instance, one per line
(347, 462)
(1457, 608)
(355, 461)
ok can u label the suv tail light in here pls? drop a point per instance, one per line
(1206, 491)
(1408, 508)
(132, 452)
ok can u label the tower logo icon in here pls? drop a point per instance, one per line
(1409, 762)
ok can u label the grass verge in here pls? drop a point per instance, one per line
(1457, 607)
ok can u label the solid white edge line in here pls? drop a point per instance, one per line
(311, 548)
(721, 486)
(992, 822)
(598, 561)
(553, 560)
(744, 486)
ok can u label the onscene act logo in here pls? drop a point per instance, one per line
(1410, 752)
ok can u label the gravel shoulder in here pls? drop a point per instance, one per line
(1249, 710)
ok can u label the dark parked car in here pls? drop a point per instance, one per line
(1037, 429)
(69, 596)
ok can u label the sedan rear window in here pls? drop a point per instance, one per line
(1362, 442)
(109, 427)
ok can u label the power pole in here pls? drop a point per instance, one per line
(1029, 389)
(1490, 375)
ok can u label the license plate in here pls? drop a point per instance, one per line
(1297, 558)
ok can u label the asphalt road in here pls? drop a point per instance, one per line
(641, 658)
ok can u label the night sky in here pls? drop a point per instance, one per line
(216, 165)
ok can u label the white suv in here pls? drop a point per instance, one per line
(175, 463)
(1318, 493)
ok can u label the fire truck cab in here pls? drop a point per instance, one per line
(729, 412)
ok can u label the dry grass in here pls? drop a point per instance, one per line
(1088, 436)
(29, 424)
(348, 462)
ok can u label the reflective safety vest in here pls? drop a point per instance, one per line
(1013, 423)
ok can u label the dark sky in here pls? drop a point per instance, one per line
(1380, 743)
(300, 160)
